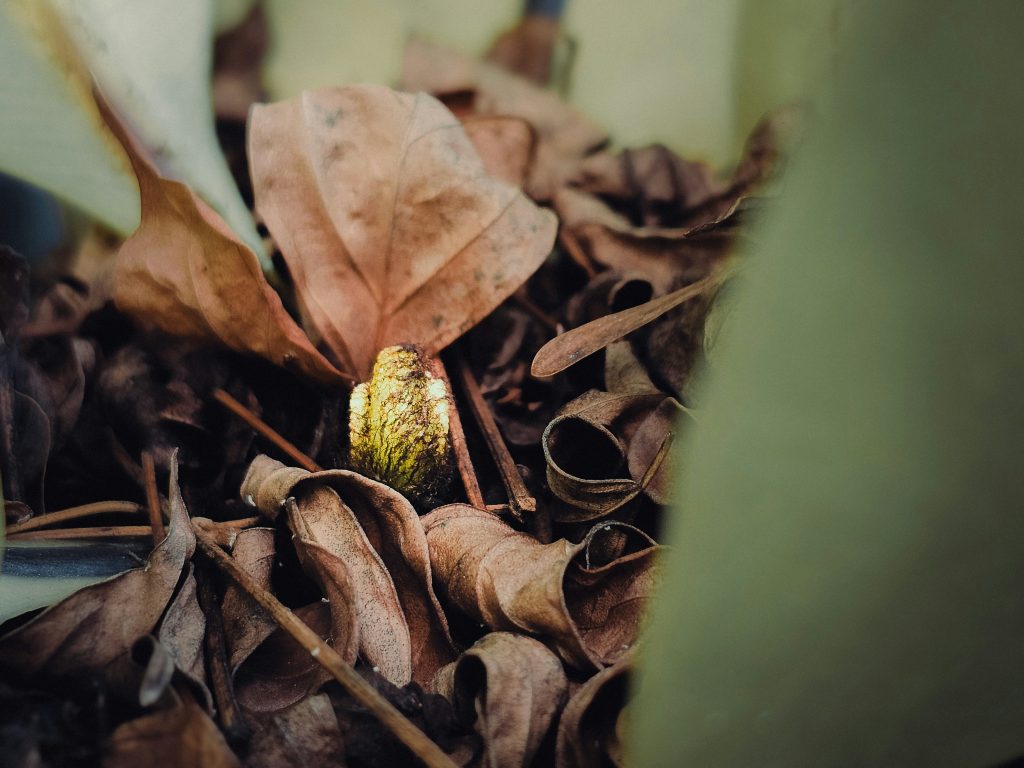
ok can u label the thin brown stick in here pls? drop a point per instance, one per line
(575, 251)
(97, 532)
(459, 447)
(519, 498)
(156, 518)
(265, 430)
(74, 513)
(357, 687)
(233, 722)
(522, 298)
(242, 522)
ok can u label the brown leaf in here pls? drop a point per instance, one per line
(574, 345)
(564, 135)
(590, 731)
(604, 448)
(182, 631)
(509, 581)
(246, 624)
(585, 452)
(184, 273)
(278, 673)
(513, 687)
(305, 734)
(650, 186)
(528, 48)
(370, 534)
(179, 737)
(84, 632)
(392, 230)
(237, 65)
(506, 145)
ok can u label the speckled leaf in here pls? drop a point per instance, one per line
(392, 230)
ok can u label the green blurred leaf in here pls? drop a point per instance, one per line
(51, 133)
(153, 61)
(846, 585)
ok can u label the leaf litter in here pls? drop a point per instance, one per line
(482, 225)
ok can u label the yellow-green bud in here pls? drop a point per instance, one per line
(398, 424)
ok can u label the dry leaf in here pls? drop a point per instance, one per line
(605, 448)
(279, 672)
(305, 734)
(565, 136)
(512, 688)
(589, 611)
(506, 145)
(182, 631)
(346, 523)
(391, 228)
(86, 631)
(572, 346)
(650, 186)
(590, 731)
(184, 273)
(528, 48)
(246, 624)
(179, 737)
(237, 63)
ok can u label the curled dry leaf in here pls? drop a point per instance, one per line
(184, 273)
(86, 631)
(392, 230)
(564, 135)
(512, 688)
(585, 455)
(604, 448)
(356, 529)
(591, 730)
(181, 736)
(588, 611)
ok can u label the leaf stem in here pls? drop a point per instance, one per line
(95, 532)
(413, 738)
(519, 498)
(74, 513)
(156, 520)
(459, 447)
(266, 431)
(233, 722)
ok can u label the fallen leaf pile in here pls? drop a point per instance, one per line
(473, 528)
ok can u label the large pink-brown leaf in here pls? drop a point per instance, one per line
(184, 273)
(392, 230)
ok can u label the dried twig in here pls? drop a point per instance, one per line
(236, 729)
(97, 532)
(572, 246)
(413, 738)
(519, 497)
(459, 447)
(265, 430)
(156, 519)
(522, 298)
(74, 513)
